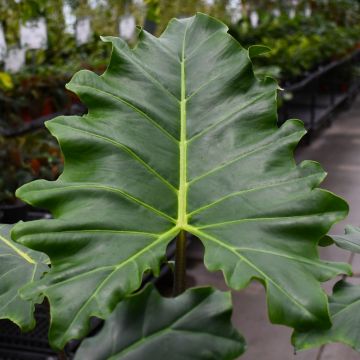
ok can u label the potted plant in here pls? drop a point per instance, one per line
(180, 137)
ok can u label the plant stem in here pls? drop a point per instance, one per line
(180, 264)
(62, 355)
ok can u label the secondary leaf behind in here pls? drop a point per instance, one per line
(195, 325)
(19, 266)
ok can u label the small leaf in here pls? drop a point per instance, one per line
(258, 50)
(350, 241)
(326, 241)
(195, 325)
(345, 315)
(18, 266)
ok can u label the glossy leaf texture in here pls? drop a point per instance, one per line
(19, 266)
(345, 315)
(180, 135)
(195, 325)
(350, 241)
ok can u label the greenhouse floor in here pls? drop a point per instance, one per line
(337, 148)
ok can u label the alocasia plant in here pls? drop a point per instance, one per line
(350, 241)
(180, 137)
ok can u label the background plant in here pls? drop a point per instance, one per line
(26, 158)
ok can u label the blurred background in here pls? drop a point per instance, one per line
(315, 56)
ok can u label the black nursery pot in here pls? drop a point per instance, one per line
(15, 345)
(12, 213)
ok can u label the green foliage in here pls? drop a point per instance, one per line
(170, 144)
(345, 310)
(300, 44)
(201, 318)
(350, 241)
(344, 306)
(18, 266)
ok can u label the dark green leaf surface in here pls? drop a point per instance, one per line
(195, 325)
(180, 135)
(345, 315)
(18, 266)
(350, 241)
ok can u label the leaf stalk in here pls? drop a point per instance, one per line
(180, 264)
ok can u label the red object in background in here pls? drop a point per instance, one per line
(25, 114)
(15, 157)
(35, 166)
(73, 98)
(48, 107)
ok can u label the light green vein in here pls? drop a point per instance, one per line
(194, 51)
(132, 106)
(228, 116)
(241, 192)
(164, 237)
(130, 232)
(111, 189)
(126, 149)
(147, 74)
(262, 219)
(17, 250)
(294, 258)
(168, 328)
(347, 306)
(200, 234)
(10, 271)
(182, 194)
(282, 141)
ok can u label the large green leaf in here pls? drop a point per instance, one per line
(180, 135)
(195, 325)
(345, 314)
(350, 241)
(18, 266)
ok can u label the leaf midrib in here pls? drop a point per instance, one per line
(23, 254)
(183, 185)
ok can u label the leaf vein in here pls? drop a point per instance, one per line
(111, 189)
(263, 187)
(130, 152)
(132, 106)
(266, 277)
(228, 116)
(260, 219)
(243, 156)
(166, 235)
